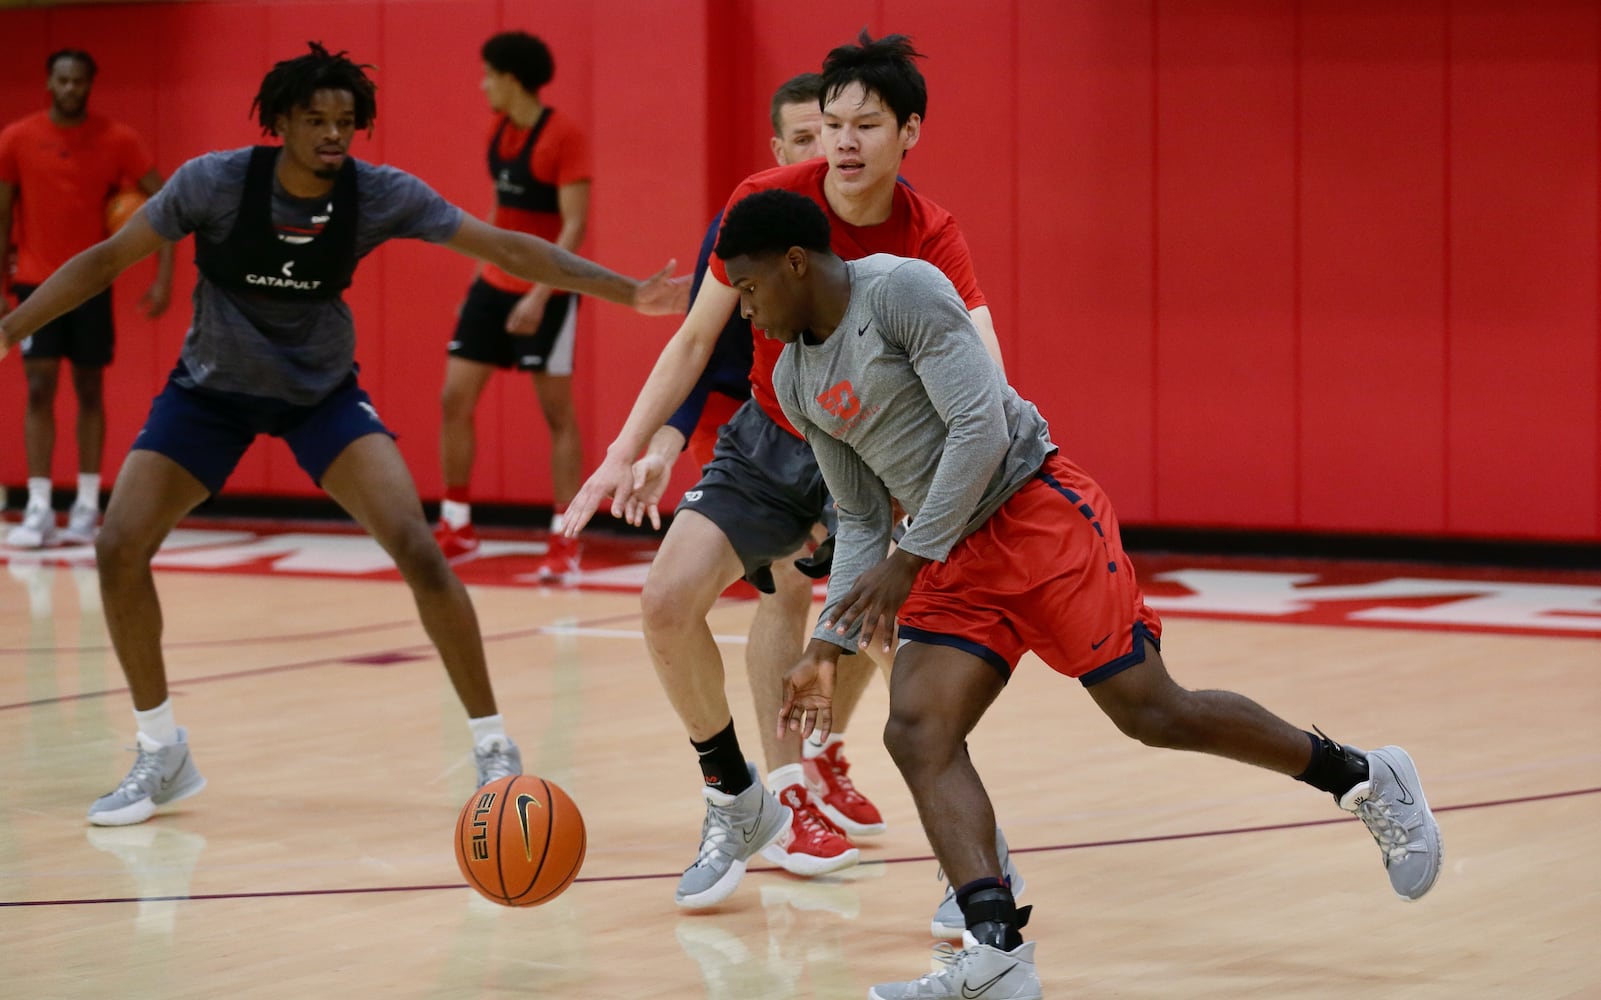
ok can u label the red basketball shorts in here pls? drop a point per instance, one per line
(1047, 572)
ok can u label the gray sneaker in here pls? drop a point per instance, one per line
(736, 828)
(161, 774)
(1392, 805)
(976, 973)
(37, 530)
(498, 757)
(948, 920)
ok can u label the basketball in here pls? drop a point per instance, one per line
(120, 208)
(520, 841)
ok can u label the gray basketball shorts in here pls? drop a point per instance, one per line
(762, 489)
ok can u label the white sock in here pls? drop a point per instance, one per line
(811, 749)
(158, 723)
(557, 521)
(39, 491)
(88, 491)
(487, 728)
(456, 514)
(781, 778)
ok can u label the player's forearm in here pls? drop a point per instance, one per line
(666, 443)
(164, 258)
(536, 260)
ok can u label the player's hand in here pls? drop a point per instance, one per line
(876, 599)
(808, 705)
(661, 294)
(651, 474)
(613, 479)
(156, 299)
(529, 311)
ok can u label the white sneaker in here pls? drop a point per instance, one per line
(82, 523)
(976, 973)
(37, 530)
(1392, 805)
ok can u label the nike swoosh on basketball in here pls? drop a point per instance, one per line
(1406, 793)
(1098, 645)
(974, 992)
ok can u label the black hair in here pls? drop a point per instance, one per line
(883, 67)
(524, 56)
(78, 54)
(770, 222)
(807, 88)
(291, 83)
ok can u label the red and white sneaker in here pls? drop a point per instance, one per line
(812, 844)
(456, 543)
(560, 564)
(828, 777)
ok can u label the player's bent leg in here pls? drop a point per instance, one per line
(1147, 705)
(369, 479)
(152, 494)
(693, 566)
(937, 696)
(458, 445)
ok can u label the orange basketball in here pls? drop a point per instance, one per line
(120, 208)
(520, 841)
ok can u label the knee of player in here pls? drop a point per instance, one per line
(917, 739)
(1163, 722)
(118, 550)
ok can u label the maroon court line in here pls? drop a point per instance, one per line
(219, 643)
(309, 664)
(1083, 845)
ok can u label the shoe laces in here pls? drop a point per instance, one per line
(145, 775)
(714, 834)
(808, 817)
(839, 767)
(494, 762)
(1388, 832)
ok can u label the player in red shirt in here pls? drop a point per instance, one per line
(58, 169)
(539, 161)
(759, 497)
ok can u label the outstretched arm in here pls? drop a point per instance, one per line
(572, 201)
(79, 279)
(541, 261)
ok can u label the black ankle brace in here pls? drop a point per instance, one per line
(1334, 768)
(992, 914)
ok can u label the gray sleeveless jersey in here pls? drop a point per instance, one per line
(292, 351)
(903, 401)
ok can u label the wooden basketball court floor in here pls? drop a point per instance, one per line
(318, 861)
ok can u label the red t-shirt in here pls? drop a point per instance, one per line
(559, 157)
(63, 177)
(916, 227)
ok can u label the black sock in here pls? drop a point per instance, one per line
(1334, 769)
(991, 913)
(721, 762)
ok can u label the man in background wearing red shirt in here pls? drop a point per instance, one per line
(58, 170)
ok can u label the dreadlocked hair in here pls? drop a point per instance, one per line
(292, 82)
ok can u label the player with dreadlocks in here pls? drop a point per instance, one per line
(279, 230)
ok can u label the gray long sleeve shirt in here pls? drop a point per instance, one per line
(903, 401)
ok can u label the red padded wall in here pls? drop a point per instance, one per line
(1323, 267)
